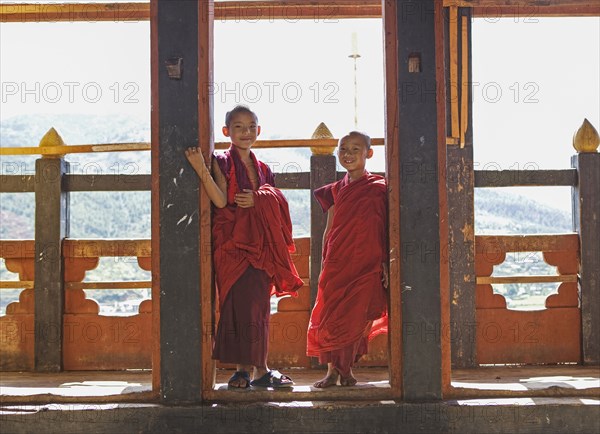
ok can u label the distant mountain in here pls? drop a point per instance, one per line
(27, 130)
(495, 211)
(127, 214)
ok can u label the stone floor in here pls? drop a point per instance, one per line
(497, 381)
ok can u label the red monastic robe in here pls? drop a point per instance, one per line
(260, 236)
(351, 294)
(252, 261)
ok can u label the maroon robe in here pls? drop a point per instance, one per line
(350, 293)
(252, 261)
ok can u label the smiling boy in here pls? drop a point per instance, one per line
(351, 292)
(252, 241)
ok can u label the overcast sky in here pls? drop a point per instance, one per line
(535, 80)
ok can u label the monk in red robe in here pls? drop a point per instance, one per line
(252, 241)
(351, 294)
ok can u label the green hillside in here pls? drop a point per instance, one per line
(127, 214)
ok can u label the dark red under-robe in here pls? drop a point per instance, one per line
(251, 248)
(350, 294)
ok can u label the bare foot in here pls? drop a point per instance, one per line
(330, 380)
(348, 381)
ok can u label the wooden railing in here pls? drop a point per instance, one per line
(550, 335)
(483, 329)
(86, 340)
(90, 341)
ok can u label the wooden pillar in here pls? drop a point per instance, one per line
(322, 172)
(51, 227)
(460, 181)
(586, 222)
(419, 192)
(182, 27)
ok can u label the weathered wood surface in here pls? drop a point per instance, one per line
(91, 248)
(420, 274)
(70, 12)
(530, 337)
(51, 227)
(552, 335)
(442, 115)
(525, 177)
(491, 245)
(17, 183)
(223, 10)
(61, 150)
(17, 326)
(460, 181)
(178, 26)
(527, 279)
(252, 11)
(299, 180)
(527, 10)
(586, 221)
(392, 150)
(322, 173)
(116, 182)
(289, 180)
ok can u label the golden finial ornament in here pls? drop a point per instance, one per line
(52, 138)
(322, 132)
(586, 138)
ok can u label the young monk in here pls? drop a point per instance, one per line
(252, 241)
(351, 292)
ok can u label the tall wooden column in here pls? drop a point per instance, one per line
(182, 43)
(421, 205)
(460, 181)
(586, 222)
(322, 172)
(51, 227)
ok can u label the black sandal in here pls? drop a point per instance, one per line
(273, 379)
(236, 376)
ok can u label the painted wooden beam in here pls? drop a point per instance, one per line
(292, 11)
(526, 243)
(249, 11)
(116, 182)
(513, 178)
(17, 183)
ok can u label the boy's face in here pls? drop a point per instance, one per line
(353, 153)
(243, 130)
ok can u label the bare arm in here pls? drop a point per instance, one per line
(216, 188)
